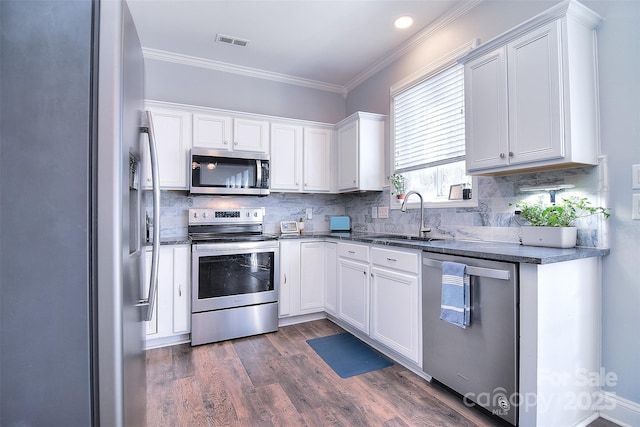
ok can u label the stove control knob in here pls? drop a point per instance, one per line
(195, 214)
(255, 214)
(204, 215)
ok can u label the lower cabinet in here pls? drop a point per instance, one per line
(395, 301)
(302, 277)
(171, 319)
(353, 285)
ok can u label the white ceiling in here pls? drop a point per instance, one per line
(331, 42)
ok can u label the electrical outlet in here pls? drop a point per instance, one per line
(309, 213)
(383, 212)
(374, 212)
(635, 174)
(635, 209)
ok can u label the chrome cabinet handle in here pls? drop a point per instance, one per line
(502, 155)
(473, 271)
(392, 259)
(179, 290)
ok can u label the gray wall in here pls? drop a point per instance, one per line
(166, 81)
(45, 60)
(619, 66)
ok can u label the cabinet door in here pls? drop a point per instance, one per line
(173, 141)
(212, 131)
(289, 278)
(486, 111)
(312, 277)
(181, 290)
(286, 157)
(348, 159)
(251, 135)
(331, 278)
(394, 311)
(535, 115)
(353, 293)
(317, 159)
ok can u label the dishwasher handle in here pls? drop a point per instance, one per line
(473, 271)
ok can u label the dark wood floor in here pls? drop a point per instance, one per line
(278, 380)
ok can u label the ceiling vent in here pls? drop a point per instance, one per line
(235, 41)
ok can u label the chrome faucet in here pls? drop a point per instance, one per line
(403, 208)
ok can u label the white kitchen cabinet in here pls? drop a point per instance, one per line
(312, 277)
(220, 132)
(302, 276)
(531, 95)
(395, 301)
(361, 152)
(286, 157)
(353, 285)
(172, 129)
(300, 158)
(171, 321)
(212, 131)
(289, 275)
(331, 278)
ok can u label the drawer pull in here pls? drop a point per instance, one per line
(352, 252)
(392, 259)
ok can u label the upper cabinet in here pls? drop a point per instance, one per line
(172, 129)
(361, 152)
(222, 132)
(300, 158)
(531, 95)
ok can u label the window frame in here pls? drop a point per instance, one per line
(413, 79)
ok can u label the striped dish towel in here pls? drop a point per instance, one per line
(456, 295)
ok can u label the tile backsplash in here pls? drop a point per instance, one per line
(491, 220)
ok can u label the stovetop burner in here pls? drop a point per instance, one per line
(227, 225)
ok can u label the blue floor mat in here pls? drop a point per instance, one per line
(347, 355)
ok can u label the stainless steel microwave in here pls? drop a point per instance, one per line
(230, 173)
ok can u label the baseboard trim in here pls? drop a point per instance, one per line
(620, 410)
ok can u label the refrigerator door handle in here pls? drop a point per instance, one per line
(155, 254)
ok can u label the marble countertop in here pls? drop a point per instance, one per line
(509, 252)
(496, 251)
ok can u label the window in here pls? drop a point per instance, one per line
(429, 136)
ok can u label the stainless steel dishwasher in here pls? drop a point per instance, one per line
(480, 361)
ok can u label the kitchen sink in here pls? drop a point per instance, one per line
(404, 237)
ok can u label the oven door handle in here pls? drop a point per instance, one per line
(155, 254)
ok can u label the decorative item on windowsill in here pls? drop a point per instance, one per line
(301, 225)
(553, 225)
(398, 182)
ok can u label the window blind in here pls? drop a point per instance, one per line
(429, 121)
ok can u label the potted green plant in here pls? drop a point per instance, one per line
(398, 183)
(554, 225)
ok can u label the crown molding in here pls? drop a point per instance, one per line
(193, 61)
(448, 17)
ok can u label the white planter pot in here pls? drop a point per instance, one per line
(553, 237)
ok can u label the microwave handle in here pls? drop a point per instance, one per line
(258, 173)
(149, 302)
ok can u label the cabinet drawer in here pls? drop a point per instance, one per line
(397, 260)
(351, 251)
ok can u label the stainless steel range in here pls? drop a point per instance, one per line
(234, 275)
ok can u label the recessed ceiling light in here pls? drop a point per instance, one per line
(403, 22)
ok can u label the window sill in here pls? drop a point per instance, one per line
(445, 204)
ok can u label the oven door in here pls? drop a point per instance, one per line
(226, 275)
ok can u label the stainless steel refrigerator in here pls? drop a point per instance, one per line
(72, 306)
